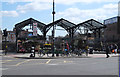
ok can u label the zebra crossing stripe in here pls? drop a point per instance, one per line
(4, 68)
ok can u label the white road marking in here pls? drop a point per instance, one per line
(68, 61)
(48, 61)
(52, 64)
(4, 68)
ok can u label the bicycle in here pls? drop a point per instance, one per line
(75, 53)
(47, 49)
(42, 53)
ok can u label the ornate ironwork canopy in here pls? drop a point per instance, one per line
(90, 24)
(62, 23)
(30, 21)
(70, 27)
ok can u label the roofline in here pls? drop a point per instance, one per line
(86, 22)
(27, 20)
(111, 18)
(60, 20)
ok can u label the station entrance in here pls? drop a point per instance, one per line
(80, 36)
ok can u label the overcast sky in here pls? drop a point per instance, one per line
(76, 11)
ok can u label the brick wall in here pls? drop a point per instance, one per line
(111, 32)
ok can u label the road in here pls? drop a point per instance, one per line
(61, 66)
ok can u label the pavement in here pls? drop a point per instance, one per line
(27, 55)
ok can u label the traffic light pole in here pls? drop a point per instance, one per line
(5, 45)
(53, 32)
(5, 35)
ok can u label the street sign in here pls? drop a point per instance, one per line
(34, 29)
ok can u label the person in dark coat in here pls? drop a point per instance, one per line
(107, 50)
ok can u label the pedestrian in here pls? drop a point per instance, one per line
(115, 48)
(6, 49)
(62, 47)
(86, 49)
(67, 46)
(111, 48)
(107, 50)
(66, 49)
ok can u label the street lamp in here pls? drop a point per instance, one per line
(53, 31)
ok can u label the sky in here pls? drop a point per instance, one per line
(76, 11)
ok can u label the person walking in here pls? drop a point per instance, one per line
(62, 46)
(6, 49)
(107, 50)
(86, 49)
(115, 48)
(111, 48)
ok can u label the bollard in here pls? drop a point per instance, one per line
(32, 51)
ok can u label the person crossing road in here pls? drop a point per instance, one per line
(107, 49)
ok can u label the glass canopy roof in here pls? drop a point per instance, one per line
(90, 24)
(62, 23)
(22, 24)
(67, 25)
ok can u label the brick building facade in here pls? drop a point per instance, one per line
(112, 32)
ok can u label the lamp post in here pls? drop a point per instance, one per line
(53, 31)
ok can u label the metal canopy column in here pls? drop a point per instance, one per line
(99, 33)
(44, 35)
(72, 35)
(94, 32)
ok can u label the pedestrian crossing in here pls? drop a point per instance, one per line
(2, 69)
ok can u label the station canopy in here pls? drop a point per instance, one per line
(67, 25)
(90, 24)
(62, 23)
(30, 21)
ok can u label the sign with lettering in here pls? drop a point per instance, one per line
(111, 20)
(34, 29)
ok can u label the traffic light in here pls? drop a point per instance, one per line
(5, 32)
